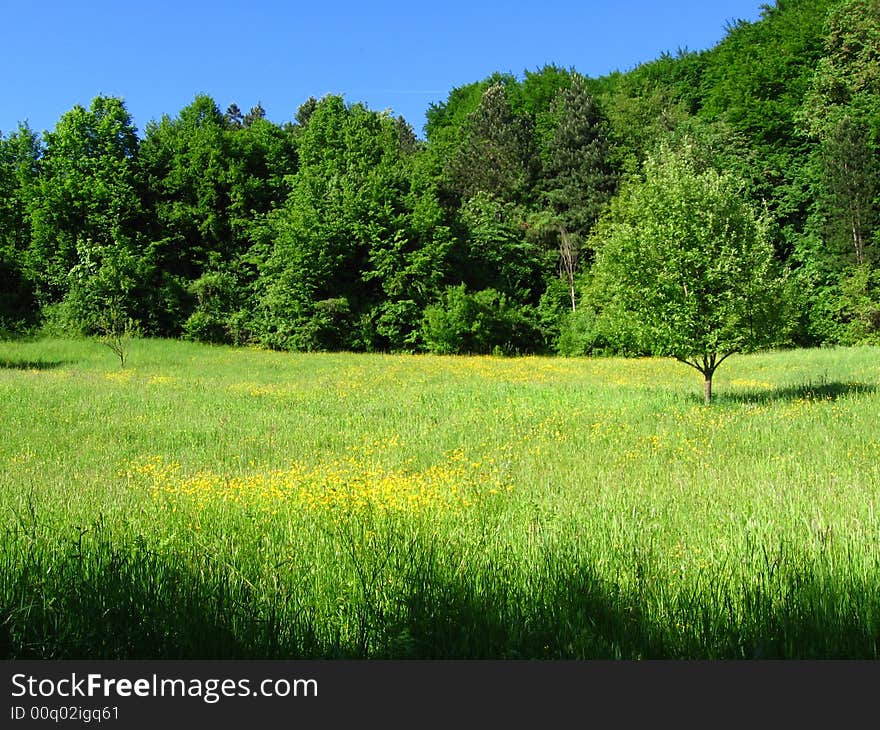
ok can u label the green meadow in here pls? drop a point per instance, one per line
(214, 502)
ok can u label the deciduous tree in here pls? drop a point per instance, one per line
(19, 169)
(689, 264)
(86, 213)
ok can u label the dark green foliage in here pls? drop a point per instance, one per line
(497, 154)
(578, 180)
(87, 246)
(537, 97)
(219, 316)
(757, 76)
(597, 327)
(647, 104)
(304, 113)
(19, 160)
(327, 259)
(499, 254)
(234, 117)
(210, 180)
(756, 80)
(841, 116)
(850, 178)
(445, 121)
(410, 269)
(478, 323)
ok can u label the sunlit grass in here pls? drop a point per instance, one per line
(211, 501)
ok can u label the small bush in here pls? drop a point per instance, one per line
(115, 332)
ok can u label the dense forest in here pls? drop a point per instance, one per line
(343, 230)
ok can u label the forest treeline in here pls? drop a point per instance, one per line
(341, 229)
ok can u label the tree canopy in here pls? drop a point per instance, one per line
(341, 229)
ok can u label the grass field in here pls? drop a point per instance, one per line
(209, 502)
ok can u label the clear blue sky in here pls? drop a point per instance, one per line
(402, 56)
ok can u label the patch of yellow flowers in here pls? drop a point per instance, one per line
(348, 485)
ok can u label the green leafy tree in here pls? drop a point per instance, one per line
(537, 96)
(211, 181)
(755, 80)
(446, 120)
(411, 266)
(578, 179)
(19, 169)
(498, 251)
(851, 175)
(116, 331)
(842, 111)
(688, 265)
(846, 79)
(330, 246)
(642, 107)
(841, 116)
(86, 248)
(185, 161)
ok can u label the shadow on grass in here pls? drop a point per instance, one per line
(819, 391)
(564, 616)
(133, 603)
(573, 614)
(32, 364)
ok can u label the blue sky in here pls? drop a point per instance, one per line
(389, 55)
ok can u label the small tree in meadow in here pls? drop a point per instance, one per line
(686, 262)
(116, 331)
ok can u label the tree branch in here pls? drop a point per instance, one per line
(695, 365)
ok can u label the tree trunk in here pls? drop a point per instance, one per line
(708, 391)
(568, 257)
(857, 238)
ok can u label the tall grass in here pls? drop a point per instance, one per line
(210, 502)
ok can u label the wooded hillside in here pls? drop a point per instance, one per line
(342, 229)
